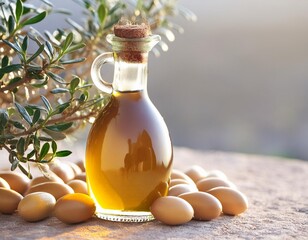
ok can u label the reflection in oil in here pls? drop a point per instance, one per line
(141, 155)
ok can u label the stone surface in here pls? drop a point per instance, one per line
(277, 190)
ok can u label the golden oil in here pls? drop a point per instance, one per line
(128, 157)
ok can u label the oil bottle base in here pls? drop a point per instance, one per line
(125, 216)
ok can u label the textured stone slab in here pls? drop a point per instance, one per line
(277, 190)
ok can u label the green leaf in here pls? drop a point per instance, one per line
(74, 83)
(14, 164)
(76, 25)
(24, 45)
(28, 8)
(15, 47)
(36, 116)
(48, 3)
(22, 159)
(15, 80)
(13, 142)
(82, 97)
(36, 143)
(21, 146)
(63, 153)
(11, 24)
(29, 110)
(31, 154)
(4, 117)
(56, 77)
(7, 136)
(62, 107)
(44, 150)
(87, 4)
(59, 90)
(38, 52)
(5, 61)
(34, 19)
(51, 38)
(116, 7)
(18, 125)
(62, 11)
(75, 47)
(19, 10)
(102, 13)
(46, 139)
(23, 112)
(46, 103)
(34, 68)
(11, 156)
(84, 86)
(12, 11)
(28, 140)
(54, 146)
(68, 41)
(49, 50)
(60, 127)
(11, 110)
(24, 171)
(2, 29)
(77, 60)
(40, 84)
(55, 135)
(95, 101)
(10, 68)
(57, 67)
(33, 106)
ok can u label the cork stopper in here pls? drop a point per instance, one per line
(129, 30)
(132, 50)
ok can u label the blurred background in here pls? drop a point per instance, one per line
(237, 79)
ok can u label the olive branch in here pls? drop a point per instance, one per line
(45, 89)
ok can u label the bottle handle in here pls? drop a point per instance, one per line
(97, 79)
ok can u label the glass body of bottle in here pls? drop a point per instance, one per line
(129, 151)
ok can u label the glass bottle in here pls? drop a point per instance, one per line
(129, 151)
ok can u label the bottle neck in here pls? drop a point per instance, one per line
(130, 76)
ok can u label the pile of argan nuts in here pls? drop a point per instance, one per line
(63, 195)
(200, 195)
(195, 194)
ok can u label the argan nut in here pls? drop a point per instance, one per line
(74, 208)
(177, 174)
(75, 167)
(80, 164)
(180, 189)
(208, 183)
(174, 182)
(36, 206)
(17, 181)
(9, 200)
(217, 173)
(206, 207)
(4, 184)
(42, 179)
(63, 170)
(81, 176)
(196, 173)
(56, 189)
(172, 210)
(233, 201)
(78, 186)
